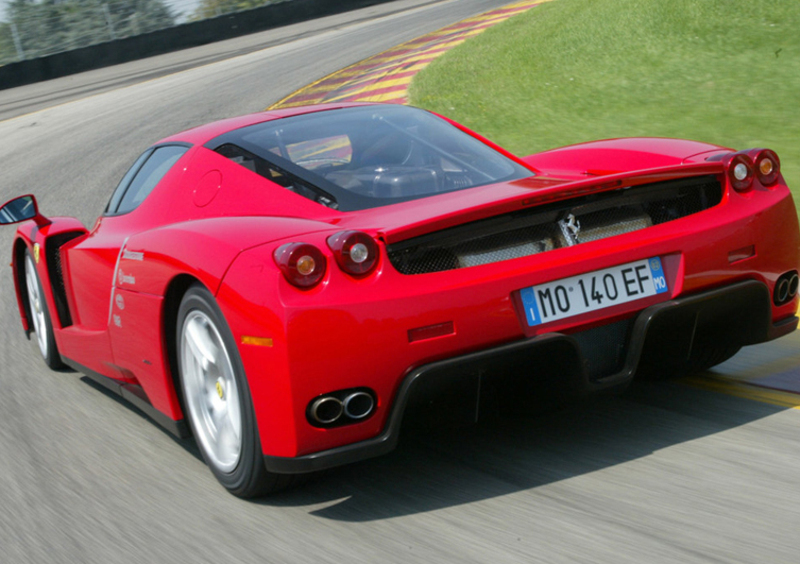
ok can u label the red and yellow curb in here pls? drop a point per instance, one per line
(385, 77)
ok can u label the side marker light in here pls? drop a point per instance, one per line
(258, 341)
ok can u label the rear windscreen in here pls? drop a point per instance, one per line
(368, 156)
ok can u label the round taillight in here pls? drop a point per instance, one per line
(356, 252)
(740, 172)
(768, 167)
(302, 264)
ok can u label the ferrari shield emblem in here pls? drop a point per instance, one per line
(36, 252)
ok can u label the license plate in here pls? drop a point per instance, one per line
(593, 291)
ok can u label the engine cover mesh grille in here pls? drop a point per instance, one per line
(562, 224)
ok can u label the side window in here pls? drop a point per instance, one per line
(154, 165)
(119, 191)
(151, 172)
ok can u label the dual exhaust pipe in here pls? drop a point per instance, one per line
(785, 288)
(341, 408)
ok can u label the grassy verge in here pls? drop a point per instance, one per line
(720, 71)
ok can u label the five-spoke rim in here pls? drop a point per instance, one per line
(37, 307)
(212, 395)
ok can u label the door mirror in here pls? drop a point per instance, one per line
(20, 209)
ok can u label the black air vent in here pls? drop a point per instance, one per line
(53, 251)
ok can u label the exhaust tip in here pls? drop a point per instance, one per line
(341, 407)
(793, 281)
(326, 410)
(786, 287)
(358, 405)
(782, 291)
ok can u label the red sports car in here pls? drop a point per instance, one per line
(287, 285)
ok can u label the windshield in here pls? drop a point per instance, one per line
(369, 156)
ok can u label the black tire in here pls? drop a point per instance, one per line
(244, 475)
(40, 321)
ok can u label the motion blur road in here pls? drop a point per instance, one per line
(665, 473)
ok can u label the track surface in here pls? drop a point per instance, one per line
(665, 473)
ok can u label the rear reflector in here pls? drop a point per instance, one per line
(431, 332)
(741, 254)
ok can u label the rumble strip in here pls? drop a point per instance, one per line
(385, 77)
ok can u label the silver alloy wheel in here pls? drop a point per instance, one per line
(210, 389)
(35, 299)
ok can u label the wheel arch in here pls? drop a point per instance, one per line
(249, 476)
(49, 239)
(173, 296)
(18, 265)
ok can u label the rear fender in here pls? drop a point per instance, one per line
(154, 270)
(43, 242)
(615, 156)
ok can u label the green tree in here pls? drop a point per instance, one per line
(51, 26)
(213, 8)
(8, 54)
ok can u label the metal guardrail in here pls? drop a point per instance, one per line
(135, 40)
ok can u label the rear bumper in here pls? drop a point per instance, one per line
(666, 333)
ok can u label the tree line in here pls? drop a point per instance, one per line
(35, 28)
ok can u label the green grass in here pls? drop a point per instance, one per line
(721, 71)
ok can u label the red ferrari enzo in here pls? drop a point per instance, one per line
(286, 286)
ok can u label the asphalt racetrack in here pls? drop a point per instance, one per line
(669, 472)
